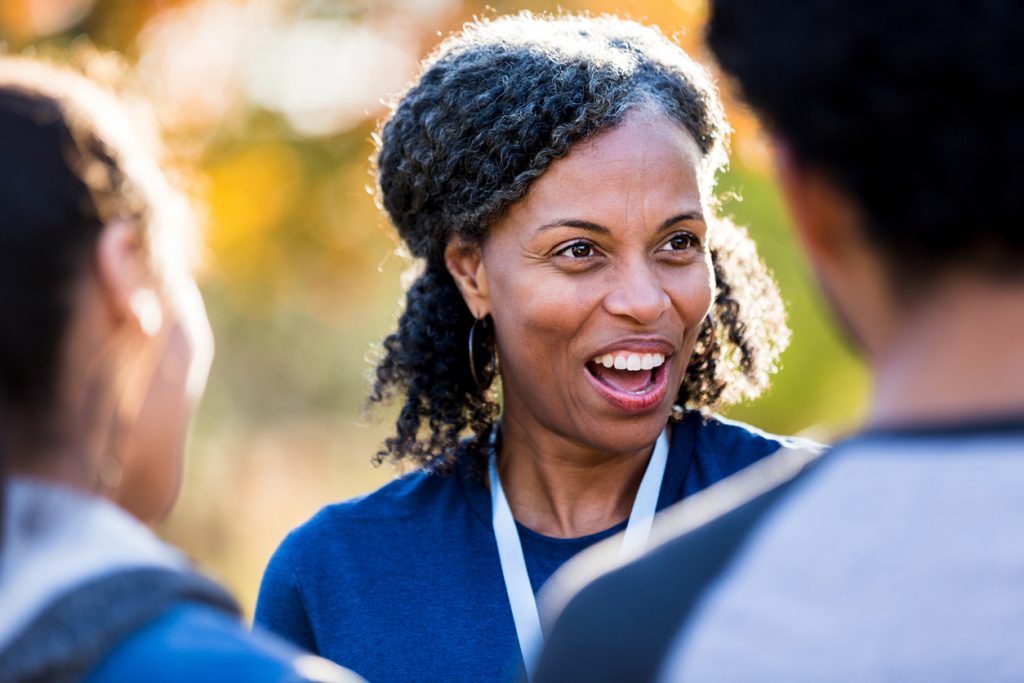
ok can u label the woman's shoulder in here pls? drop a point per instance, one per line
(731, 444)
(420, 496)
(199, 643)
(715, 427)
(410, 495)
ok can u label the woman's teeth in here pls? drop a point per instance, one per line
(631, 361)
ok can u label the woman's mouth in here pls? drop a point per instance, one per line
(635, 382)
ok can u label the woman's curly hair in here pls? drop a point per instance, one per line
(491, 109)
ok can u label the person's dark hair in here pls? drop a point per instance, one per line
(492, 108)
(907, 106)
(66, 170)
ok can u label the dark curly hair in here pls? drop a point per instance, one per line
(906, 106)
(492, 108)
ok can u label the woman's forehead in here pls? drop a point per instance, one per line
(643, 139)
(649, 158)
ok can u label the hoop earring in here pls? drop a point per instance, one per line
(709, 345)
(483, 373)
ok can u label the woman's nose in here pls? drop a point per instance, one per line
(638, 293)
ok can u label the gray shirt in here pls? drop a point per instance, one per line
(896, 557)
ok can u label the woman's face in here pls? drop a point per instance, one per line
(157, 427)
(598, 282)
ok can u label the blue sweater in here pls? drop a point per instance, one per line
(405, 584)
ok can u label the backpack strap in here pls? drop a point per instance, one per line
(79, 628)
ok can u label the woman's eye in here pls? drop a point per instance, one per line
(681, 242)
(577, 250)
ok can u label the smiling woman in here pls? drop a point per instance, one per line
(555, 179)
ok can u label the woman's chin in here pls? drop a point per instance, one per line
(624, 433)
(627, 441)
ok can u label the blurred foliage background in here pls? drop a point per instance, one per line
(272, 103)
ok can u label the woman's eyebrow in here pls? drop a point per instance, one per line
(693, 216)
(574, 223)
(595, 227)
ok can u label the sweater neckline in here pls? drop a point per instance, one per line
(680, 459)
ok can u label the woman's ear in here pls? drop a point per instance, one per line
(852, 276)
(825, 219)
(124, 279)
(466, 265)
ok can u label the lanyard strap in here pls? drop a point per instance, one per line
(513, 562)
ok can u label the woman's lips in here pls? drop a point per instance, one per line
(633, 391)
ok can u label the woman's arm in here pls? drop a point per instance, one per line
(280, 607)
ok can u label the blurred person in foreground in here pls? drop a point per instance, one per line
(898, 555)
(555, 179)
(104, 350)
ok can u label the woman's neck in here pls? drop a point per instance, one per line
(65, 468)
(52, 452)
(560, 488)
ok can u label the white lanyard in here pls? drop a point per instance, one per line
(510, 550)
